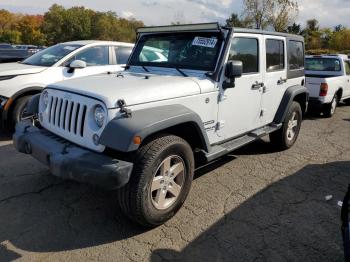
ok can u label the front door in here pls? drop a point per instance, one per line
(240, 106)
(97, 59)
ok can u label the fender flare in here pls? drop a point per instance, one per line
(289, 96)
(120, 132)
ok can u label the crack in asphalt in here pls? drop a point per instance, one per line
(48, 187)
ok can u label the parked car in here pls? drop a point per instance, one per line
(19, 81)
(14, 53)
(139, 131)
(328, 81)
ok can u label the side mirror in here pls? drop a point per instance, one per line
(233, 70)
(76, 64)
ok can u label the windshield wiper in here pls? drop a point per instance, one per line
(181, 72)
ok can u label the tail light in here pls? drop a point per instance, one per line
(323, 89)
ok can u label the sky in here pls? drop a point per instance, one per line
(160, 12)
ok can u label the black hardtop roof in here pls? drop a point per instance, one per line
(212, 27)
(264, 32)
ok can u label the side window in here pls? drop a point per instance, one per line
(247, 51)
(122, 54)
(94, 56)
(274, 55)
(296, 55)
(347, 67)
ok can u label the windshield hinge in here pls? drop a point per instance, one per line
(123, 110)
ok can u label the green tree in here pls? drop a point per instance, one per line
(235, 21)
(53, 24)
(294, 29)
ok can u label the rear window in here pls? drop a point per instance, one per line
(296, 55)
(323, 64)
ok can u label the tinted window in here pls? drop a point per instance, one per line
(322, 64)
(296, 55)
(274, 55)
(94, 56)
(122, 54)
(246, 50)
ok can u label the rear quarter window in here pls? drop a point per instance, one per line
(296, 55)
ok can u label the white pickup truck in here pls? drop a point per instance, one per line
(328, 82)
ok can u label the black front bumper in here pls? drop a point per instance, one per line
(69, 161)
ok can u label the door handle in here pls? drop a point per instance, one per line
(282, 81)
(257, 85)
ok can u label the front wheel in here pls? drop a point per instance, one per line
(160, 182)
(285, 137)
(19, 112)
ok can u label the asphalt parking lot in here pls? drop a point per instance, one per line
(253, 205)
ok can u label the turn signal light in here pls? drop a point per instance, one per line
(323, 89)
(137, 140)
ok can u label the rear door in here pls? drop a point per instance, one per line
(275, 76)
(122, 54)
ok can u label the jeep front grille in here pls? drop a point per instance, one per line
(67, 115)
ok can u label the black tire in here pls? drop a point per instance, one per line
(330, 109)
(281, 138)
(347, 101)
(136, 199)
(19, 109)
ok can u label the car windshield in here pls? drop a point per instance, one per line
(323, 64)
(197, 51)
(51, 55)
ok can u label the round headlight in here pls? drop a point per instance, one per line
(100, 115)
(45, 99)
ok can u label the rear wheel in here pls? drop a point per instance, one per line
(330, 109)
(160, 182)
(286, 136)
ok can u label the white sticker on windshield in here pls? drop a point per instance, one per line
(206, 42)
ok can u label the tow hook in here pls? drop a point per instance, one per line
(125, 111)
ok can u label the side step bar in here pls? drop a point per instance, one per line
(231, 145)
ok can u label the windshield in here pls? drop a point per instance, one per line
(323, 64)
(197, 51)
(51, 55)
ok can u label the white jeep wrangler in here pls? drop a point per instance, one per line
(213, 90)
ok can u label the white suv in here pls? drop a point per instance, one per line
(19, 81)
(139, 131)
